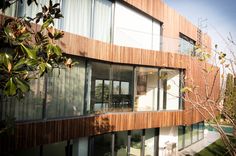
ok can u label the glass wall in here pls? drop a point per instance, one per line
(149, 142)
(136, 142)
(194, 133)
(121, 143)
(122, 87)
(102, 20)
(100, 86)
(103, 144)
(188, 135)
(146, 89)
(111, 87)
(201, 130)
(180, 137)
(77, 16)
(28, 108)
(65, 93)
(134, 29)
(169, 89)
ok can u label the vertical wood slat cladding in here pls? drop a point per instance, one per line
(45, 132)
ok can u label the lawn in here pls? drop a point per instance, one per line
(215, 149)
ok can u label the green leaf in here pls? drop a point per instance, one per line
(5, 59)
(19, 64)
(30, 52)
(42, 68)
(54, 49)
(10, 88)
(47, 23)
(22, 85)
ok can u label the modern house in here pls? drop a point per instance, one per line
(124, 97)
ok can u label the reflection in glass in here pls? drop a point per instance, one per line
(121, 143)
(149, 142)
(65, 93)
(116, 87)
(195, 133)
(103, 144)
(201, 130)
(188, 136)
(98, 90)
(180, 137)
(136, 143)
(146, 89)
(124, 89)
(169, 89)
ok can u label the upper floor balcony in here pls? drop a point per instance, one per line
(112, 22)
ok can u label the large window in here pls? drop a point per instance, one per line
(103, 144)
(65, 93)
(180, 137)
(135, 143)
(149, 142)
(77, 16)
(102, 20)
(169, 94)
(188, 135)
(134, 29)
(121, 143)
(146, 90)
(111, 87)
(194, 133)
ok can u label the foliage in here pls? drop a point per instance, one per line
(230, 94)
(27, 53)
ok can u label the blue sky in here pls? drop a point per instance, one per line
(220, 15)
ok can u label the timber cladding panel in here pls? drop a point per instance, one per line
(46, 132)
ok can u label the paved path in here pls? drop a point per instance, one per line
(209, 137)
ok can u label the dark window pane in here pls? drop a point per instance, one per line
(149, 142)
(136, 143)
(102, 144)
(180, 137)
(121, 143)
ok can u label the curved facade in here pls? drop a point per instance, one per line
(124, 97)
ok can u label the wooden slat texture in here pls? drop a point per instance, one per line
(45, 132)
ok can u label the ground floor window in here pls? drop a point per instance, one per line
(135, 143)
(188, 135)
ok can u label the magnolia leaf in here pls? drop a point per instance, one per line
(42, 68)
(22, 85)
(30, 52)
(10, 89)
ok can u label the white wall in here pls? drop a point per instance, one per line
(167, 134)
